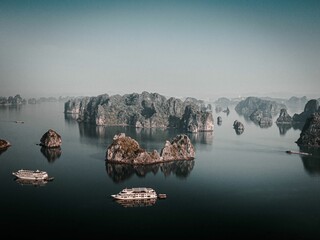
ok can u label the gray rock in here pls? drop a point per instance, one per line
(124, 149)
(195, 120)
(310, 134)
(145, 110)
(252, 104)
(180, 148)
(223, 102)
(284, 117)
(16, 100)
(261, 118)
(265, 122)
(295, 102)
(311, 107)
(72, 106)
(219, 120)
(238, 127)
(51, 139)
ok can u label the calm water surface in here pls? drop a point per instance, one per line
(237, 186)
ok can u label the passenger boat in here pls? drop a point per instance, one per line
(135, 193)
(32, 175)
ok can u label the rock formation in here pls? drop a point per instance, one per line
(145, 110)
(296, 102)
(124, 149)
(223, 102)
(238, 126)
(197, 121)
(219, 120)
(252, 104)
(51, 139)
(311, 107)
(16, 100)
(310, 134)
(262, 118)
(284, 117)
(227, 111)
(4, 144)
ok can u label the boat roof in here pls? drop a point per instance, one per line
(138, 189)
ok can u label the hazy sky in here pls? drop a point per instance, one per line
(176, 48)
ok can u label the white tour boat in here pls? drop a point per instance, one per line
(135, 193)
(32, 175)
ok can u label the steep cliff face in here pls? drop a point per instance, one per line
(312, 106)
(310, 134)
(145, 110)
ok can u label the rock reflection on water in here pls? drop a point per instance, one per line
(239, 131)
(71, 118)
(89, 131)
(202, 137)
(137, 202)
(311, 163)
(3, 150)
(283, 128)
(51, 154)
(122, 172)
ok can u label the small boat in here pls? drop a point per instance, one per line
(135, 193)
(32, 175)
(162, 196)
(301, 153)
(18, 121)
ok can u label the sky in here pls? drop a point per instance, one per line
(201, 49)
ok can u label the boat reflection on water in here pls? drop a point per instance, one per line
(27, 182)
(137, 202)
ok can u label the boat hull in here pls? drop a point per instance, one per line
(31, 175)
(133, 197)
(135, 194)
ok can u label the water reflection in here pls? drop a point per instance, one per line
(3, 150)
(71, 118)
(201, 137)
(34, 183)
(239, 131)
(283, 128)
(148, 138)
(51, 154)
(137, 202)
(297, 126)
(311, 163)
(93, 131)
(121, 172)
